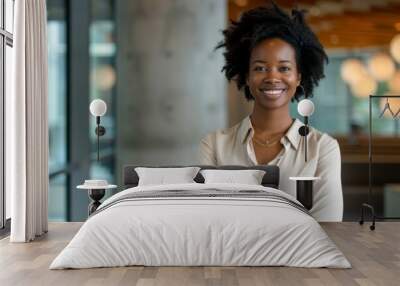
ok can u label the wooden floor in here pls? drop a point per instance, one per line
(374, 255)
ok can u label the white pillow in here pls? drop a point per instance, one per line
(162, 176)
(248, 177)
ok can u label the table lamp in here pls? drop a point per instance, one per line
(98, 108)
(97, 188)
(305, 108)
(304, 185)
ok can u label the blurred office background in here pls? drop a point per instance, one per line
(154, 64)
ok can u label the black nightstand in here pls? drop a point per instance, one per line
(96, 192)
(304, 190)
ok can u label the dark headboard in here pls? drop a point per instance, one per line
(271, 178)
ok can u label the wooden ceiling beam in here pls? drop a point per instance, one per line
(371, 28)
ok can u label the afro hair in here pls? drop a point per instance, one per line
(267, 22)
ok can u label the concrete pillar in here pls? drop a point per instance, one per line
(171, 91)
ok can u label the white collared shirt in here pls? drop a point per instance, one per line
(233, 146)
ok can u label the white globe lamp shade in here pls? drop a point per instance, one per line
(394, 83)
(395, 48)
(305, 107)
(98, 107)
(381, 67)
(364, 87)
(352, 70)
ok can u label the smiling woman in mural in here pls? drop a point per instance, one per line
(275, 58)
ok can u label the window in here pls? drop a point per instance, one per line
(338, 111)
(81, 65)
(6, 65)
(102, 52)
(57, 109)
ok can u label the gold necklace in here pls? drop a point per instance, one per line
(268, 142)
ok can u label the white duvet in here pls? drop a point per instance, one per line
(200, 231)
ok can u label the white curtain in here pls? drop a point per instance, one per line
(27, 124)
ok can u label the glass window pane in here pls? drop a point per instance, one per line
(57, 198)
(57, 94)
(8, 90)
(102, 84)
(9, 9)
(56, 54)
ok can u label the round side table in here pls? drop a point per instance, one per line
(304, 190)
(96, 193)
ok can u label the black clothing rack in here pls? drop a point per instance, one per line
(368, 205)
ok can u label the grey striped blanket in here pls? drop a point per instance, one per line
(205, 194)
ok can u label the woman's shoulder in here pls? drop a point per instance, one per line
(225, 134)
(325, 141)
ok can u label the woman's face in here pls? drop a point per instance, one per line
(273, 75)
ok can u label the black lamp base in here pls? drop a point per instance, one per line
(96, 195)
(304, 190)
(304, 193)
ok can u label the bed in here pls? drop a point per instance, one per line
(201, 224)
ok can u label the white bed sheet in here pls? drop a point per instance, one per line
(200, 231)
